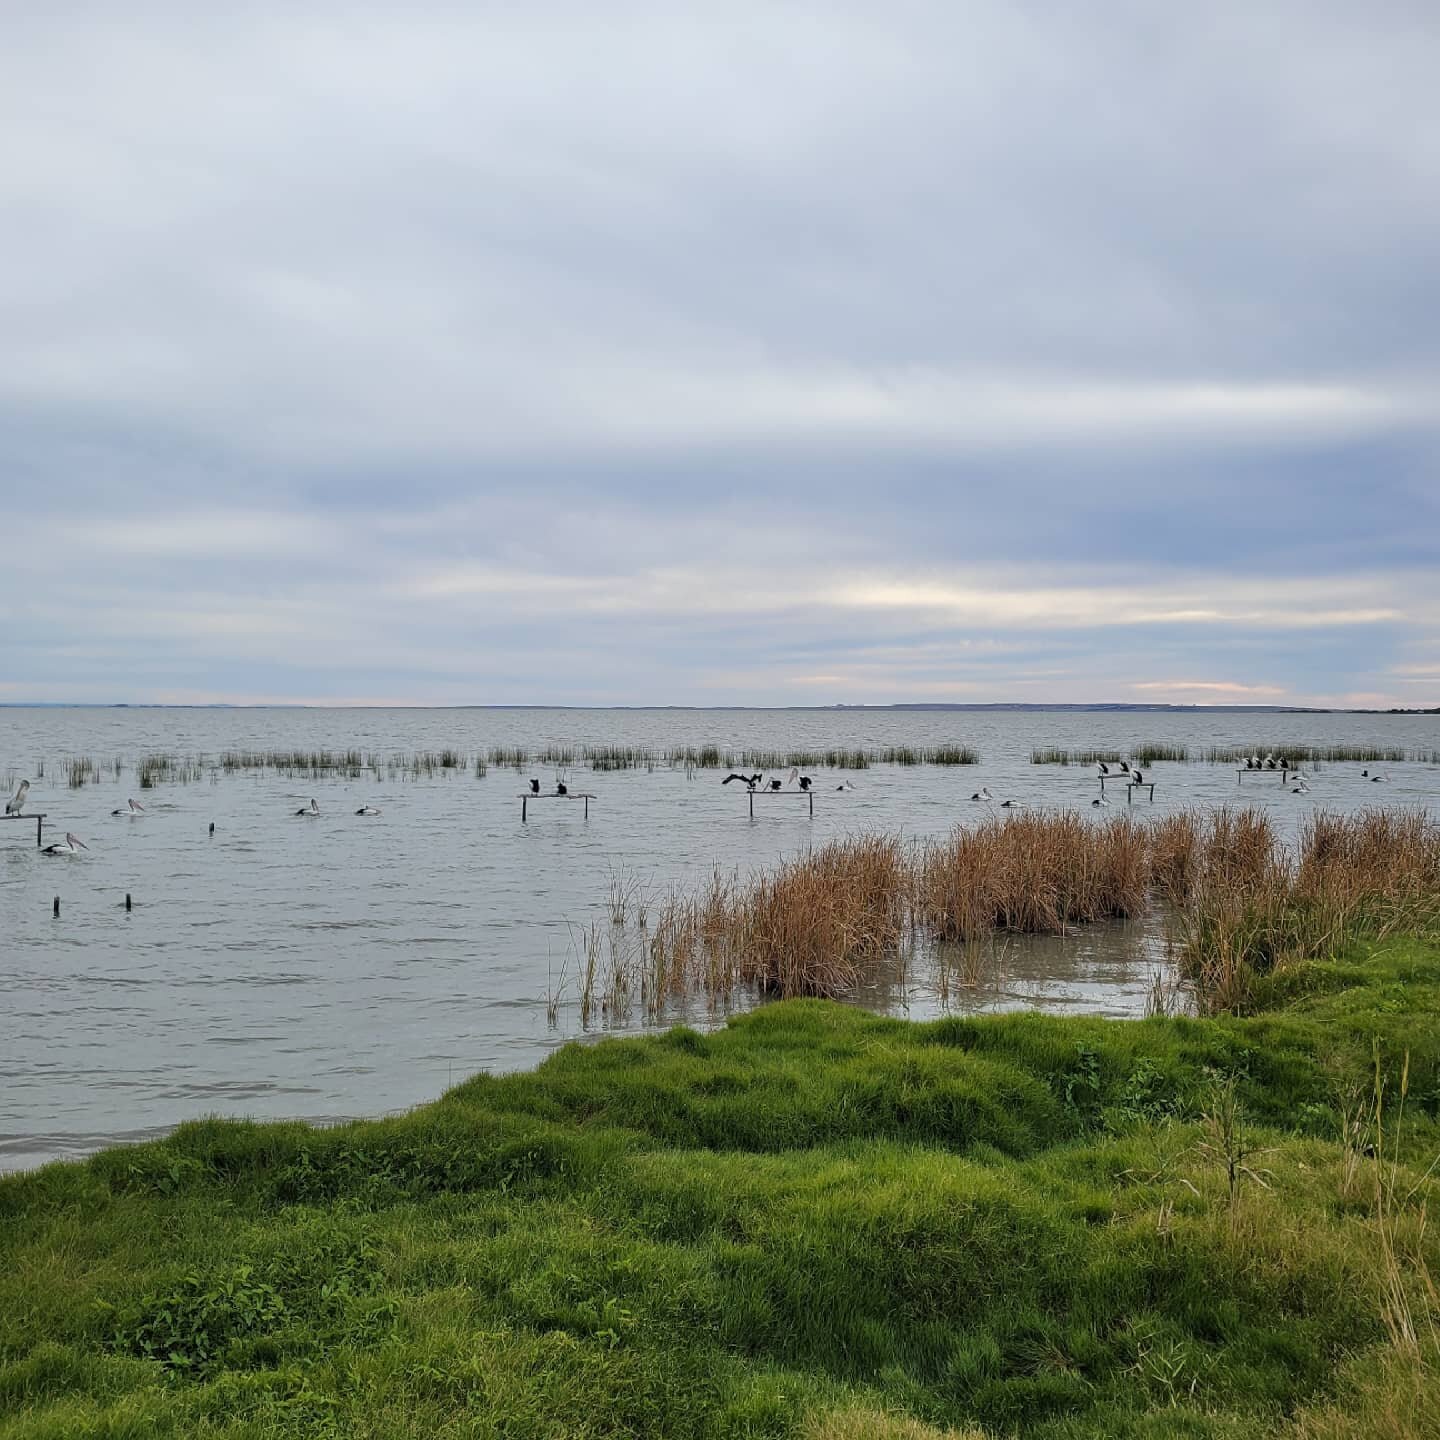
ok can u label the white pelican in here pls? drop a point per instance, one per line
(17, 804)
(1104, 768)
(791, 778)
(983, 793)
(1012, 805)
(367, 810)
(71, 845)
(845, 785)
(1101, 801)
(311, 809)
(133, 807)
(1378, 779)
(1301, 789)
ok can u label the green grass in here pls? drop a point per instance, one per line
(815, 1222)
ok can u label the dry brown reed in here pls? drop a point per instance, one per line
(1032, 873)
(852, 911)
(1246, 906)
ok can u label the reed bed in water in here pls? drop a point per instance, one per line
(1311, 754)
(1245, 906)
(853, 911)
(1036, 874)
(1146, 754)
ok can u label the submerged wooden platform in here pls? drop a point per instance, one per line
(38, 818)
(1284, 774)
(528, 799)
(1131, 786)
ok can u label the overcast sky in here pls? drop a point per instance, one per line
(733, 353)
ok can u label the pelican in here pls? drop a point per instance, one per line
(983, 794)
(1364, 774)
(71, 845)
(311, 809)
(534, 787)
(845, 785)
(805, 782)
(1012, 805)
(1104, 768)
(1136, 778)
(1124, 768)
(775, 784)
(367, 810)
(132, 807)
(1378, 779)
(748, 781)
(1301, 789)
(1101, 801)
(792, 776)
(561, 788)
(17, 804)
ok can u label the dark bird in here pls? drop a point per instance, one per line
(1136, 778)
(1104, 768)
(750, 781)
(804, 782)
(560, 788)
(776, 784)
(534, 787)
(1124, 768)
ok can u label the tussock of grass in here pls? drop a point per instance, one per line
(815, 1222)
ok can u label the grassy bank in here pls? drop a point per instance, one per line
(816, 1222)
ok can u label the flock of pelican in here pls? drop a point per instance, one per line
(72, 844)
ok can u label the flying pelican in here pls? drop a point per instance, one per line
(534, 787)
(367, 810)
(132, 807)
(17, 804)
(71, 845)
(983, 793)
(311, 809)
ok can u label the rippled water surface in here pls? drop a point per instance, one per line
(346, 966)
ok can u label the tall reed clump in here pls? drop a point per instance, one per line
(1245, 906)
(1031, 873)
(815, 925)
(812, 926)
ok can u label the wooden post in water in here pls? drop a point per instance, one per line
(127, 902)
(39, 819)
(56, 911)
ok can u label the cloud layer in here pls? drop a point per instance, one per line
(790, 354)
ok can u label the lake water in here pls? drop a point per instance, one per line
(346, 966)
